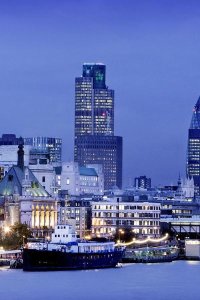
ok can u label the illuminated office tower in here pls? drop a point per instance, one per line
(94, 102)
(94, 124)
(193, 151)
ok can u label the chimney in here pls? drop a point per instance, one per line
(20, 153)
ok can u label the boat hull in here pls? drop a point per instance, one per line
(44, 260)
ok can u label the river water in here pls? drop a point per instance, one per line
(178, 280)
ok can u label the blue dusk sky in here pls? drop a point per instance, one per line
(152, 53)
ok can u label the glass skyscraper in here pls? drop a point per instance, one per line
(48, 147)
(94, 102)
(193, 151)
(94, 124)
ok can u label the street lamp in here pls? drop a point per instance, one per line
(6, 229)
(121, 231)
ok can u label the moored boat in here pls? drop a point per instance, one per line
(66, 252)
(151, 254)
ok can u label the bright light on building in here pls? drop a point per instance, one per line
(6, 229)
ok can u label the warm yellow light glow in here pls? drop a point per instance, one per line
(194, 242)
(140, 242)
(87, 237)
(6, 229)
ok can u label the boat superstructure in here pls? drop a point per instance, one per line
(65, 251)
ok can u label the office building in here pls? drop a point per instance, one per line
(193, 150)
(105, 150)
(95, 142)
(79, 180)
(142, 182)
(142, 218)
(45, 147)
(78, 213)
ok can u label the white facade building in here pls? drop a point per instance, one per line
(188, 188)
(81, 180)
(46, 176)
(143, 218)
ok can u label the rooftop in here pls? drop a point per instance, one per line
(83, 171)
(13, 181)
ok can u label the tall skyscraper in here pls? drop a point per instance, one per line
(94, 102)
(193, 151)
(94, 124)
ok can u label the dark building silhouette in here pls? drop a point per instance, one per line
(9, 139)
(193, 150)
(94, 124)
(142, 182)
(20, 154)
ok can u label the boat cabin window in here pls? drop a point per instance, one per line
(55, 235)
(58, 235)
(58, 227)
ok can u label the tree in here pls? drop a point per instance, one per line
(124, 233)
(16, 236)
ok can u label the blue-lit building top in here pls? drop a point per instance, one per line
(193, 150)
(97, 72)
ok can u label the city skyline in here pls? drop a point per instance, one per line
(153, 70)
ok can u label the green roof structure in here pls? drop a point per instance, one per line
(17, 178)
(83, 171)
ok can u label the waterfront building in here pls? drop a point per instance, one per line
(193, 150)
(185, 227)
(143, 218)
(95, 142)
(25, 199)
(80, 180)
(142, 182)
(78, 212)
(179, 208)
(45, 147)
